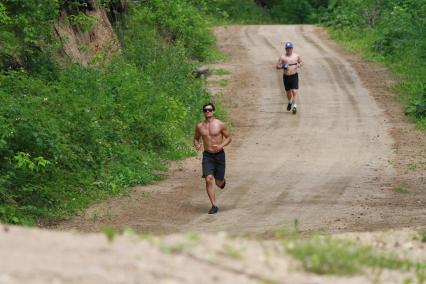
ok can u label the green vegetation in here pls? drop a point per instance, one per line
(294, 12)
(416, 164)
(264, 12)
(423, 236)
(220, 83)
(220, 72)
(232, 251)
(400, 189)
(324, 255)
(109, 233)
(82, 21)
(232, 11)
(388, 31)
(70, 135)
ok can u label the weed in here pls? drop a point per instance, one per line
(232, 251)
(220, 72)
(267, 281)
(413, 165)
(400, 189)
(223, 83)
(296, 225)
(423, 236)
(129, 232)
(109, 232)
(192, 235)
(175, 248)
(420, 272)
(144, 194)
(323, 255)
(147, 237)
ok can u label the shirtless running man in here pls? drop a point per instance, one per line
(290, 62)
(215, 136)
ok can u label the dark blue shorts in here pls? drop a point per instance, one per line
(214, 164)
(291, 82)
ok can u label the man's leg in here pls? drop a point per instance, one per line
(294, 95)
(290, 98)
(210, 190)
(220, 183)
(294, 107)
(289, 95)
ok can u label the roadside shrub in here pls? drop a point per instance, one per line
(26, 36)
(85, 133)
(390, 31)
(290, 12)
(179, 21)
(233, 11)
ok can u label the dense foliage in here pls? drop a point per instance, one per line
(26, 33)
(233, 11)
(70, 135)
(295, 12)
(392, 31)
(262, 11)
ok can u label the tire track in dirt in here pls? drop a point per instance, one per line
(318, 166)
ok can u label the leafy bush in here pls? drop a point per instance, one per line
(290, 12)
(180, 22)
(26, 34)
(84, 133)
(82, 21)
(391, 31)
(233, 11)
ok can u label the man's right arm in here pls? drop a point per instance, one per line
(279, 63)
(197, 136)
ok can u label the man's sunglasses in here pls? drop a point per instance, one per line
(207, 110)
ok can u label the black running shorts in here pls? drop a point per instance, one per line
(214, 164)
(291, 82)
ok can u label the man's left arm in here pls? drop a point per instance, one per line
(226, 136)
(299, 61)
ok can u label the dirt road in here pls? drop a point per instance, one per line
(330, 167)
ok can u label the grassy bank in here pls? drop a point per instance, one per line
(393, 33)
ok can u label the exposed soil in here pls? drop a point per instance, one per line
(47, 257)
(90, 47)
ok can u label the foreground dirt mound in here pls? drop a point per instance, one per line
(40, 256)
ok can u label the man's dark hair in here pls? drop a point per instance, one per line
(209, 104)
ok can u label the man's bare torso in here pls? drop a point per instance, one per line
(291, 61)
(211, 133)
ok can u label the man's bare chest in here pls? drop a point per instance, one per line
(210, 130)
(290, 59)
